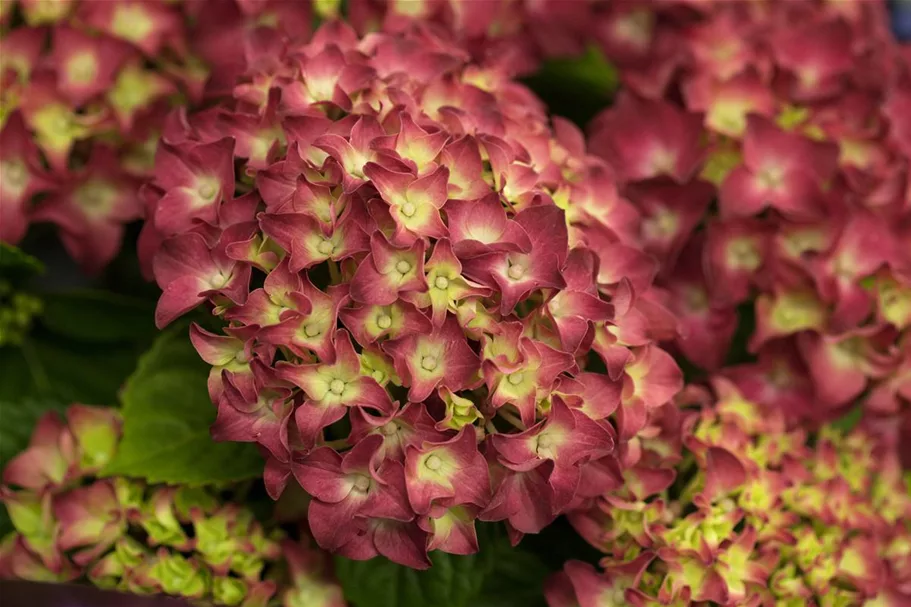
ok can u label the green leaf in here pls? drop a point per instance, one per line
(98, 316)
(499, 575)
(17, 266)
(850, 419)
(167, 414)
(46, 365)
(578, 87)
(19, 419)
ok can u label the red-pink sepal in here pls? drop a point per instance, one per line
(370, 324)
(451, 528)
(670, 214)
(735, 251)
(863, 246)
(453, 471)
(355, 151)
(522, 498)
(889, 394)
(782, 170)
(705, 323)
(337, 382)
(573, 309)
(594, 394)
(86, 65)
(524, 382)
(189, 272)
(147, 25)
(463, 159)
(414, 203)
(814, 58)
(326, 78)
(842, 365)
(410, 425)
(90, 207)
(90, 518)
(414, 146)
(516, 275)
(442, 358)
(726, 104)
(651, 377)
(195, 179)
(643, 139)
(779, 380)
(279, 299)
(348, 488)
(51, 459)
(313, 332)
(580, 585)
(309, 242)
(22, 178)
(263, 418)
(481, 226)
(565, 438)
(401, 542)
(388, 271)
(310, 570)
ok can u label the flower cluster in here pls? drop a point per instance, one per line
(123, 534)
(768, 152)
(519, 32)
(85, 88)
(752, 515)
(434, 310)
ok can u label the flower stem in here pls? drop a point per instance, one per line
(512, 419)
(334, 274)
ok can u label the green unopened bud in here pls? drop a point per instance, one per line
(29, 513)
(97, 432)
(228, 591)
(180, 576)
(326, 9)
(214, 543)
(130, 494)
(160, 522)
(17, 311)
(460, 411)
(191, 503)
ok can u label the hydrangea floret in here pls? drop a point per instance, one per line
(433, 309)
(755, 513)
(71, 525)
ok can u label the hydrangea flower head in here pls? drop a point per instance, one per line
(419, 279)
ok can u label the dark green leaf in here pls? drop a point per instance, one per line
(576, 88)
(98, 316)
(850, 419)
(46, 365)
(167, 414)
(16, 266)
(498, 575)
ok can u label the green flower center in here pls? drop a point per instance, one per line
(403, 267)
(429, 363)
(361, 483)
(325, 247)
(337, 386)
(433, 462)
(441, 283)
(516, 378)
(384, 321)
(516, 271)
(408, 209)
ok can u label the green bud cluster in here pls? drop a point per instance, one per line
(71, 524)
(17, 311)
